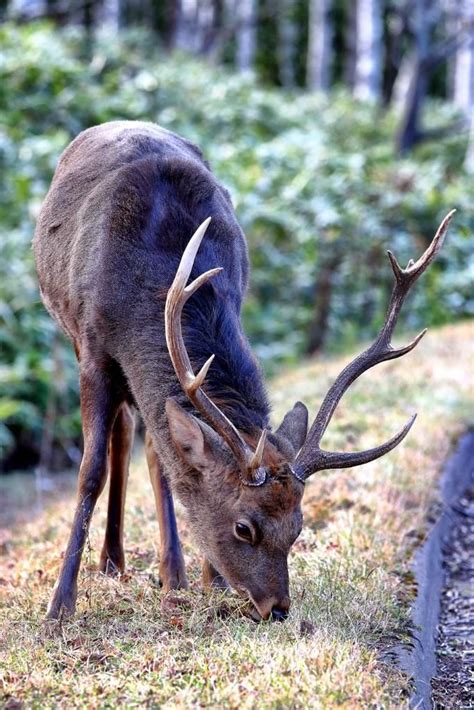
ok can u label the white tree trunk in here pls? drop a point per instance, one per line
(463, 70)
(194, 30)
(286, 43)
(368, 70)
(108, 15)
(463, 85)
(246, 34)
(401, 86)
(319, 45)
(187, 34)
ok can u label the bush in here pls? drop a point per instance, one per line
(315, 184)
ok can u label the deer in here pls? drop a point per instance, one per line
(142, 263)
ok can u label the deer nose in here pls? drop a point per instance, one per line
(279, 614)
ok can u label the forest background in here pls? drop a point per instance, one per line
(340, 128)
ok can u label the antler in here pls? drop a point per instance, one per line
(178, 294)
(311, 457)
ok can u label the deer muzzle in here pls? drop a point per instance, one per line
(273, 608)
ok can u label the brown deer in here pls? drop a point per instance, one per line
(114, 254)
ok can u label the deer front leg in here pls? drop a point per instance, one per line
(112, 558)
(172, 570)
(98, 410)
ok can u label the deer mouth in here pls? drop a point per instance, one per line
(251, 609)
(252, 612)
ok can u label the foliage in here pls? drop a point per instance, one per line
(129, 645)
(314, 181)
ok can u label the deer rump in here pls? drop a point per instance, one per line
(123, 229)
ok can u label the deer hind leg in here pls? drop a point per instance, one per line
(98, 409)
(112, 558)
(172, 570)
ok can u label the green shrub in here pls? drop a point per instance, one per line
(314, 181)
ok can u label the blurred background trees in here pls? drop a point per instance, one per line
(382, 50)
(341, 129)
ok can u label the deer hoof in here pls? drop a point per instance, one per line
(61, 606)
(112, 563)
(173, 576)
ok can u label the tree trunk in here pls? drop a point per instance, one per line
(187, 35)
(401, 86)
(109, 15)
(212, 26)
(286, 43)
(410, 130)
(246, 35)
(368, 68)
(167, 16)
(394, 64)
(319, 45)
(323, 291)
(463, 63)
(205, 24)
(350, 37)
(223, 30)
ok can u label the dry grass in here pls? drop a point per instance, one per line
(350, 586)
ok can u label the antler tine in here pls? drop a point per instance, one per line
(177, 296)
(415, 269)
(311, 457)
(341, 459)
(257, 458)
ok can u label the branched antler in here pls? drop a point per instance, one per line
(178, 294)
(311, 457)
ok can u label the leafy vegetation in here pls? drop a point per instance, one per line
(315, 184)
(130, 645)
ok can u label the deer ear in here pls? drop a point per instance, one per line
(196, 443)
(294, 427)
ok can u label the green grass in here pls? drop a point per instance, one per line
(131, 646)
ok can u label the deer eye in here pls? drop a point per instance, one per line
(244, 532)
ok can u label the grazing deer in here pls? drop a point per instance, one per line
(114, 256)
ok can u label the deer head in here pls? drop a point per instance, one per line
(244, 498)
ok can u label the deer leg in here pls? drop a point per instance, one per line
(98, 410)
(211, 578)
(112, 558)
(172, 570)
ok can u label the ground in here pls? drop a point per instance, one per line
(129, 645)
(454, 685)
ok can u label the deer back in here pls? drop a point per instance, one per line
(124, 201)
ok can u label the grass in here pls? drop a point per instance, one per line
(130, 646)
